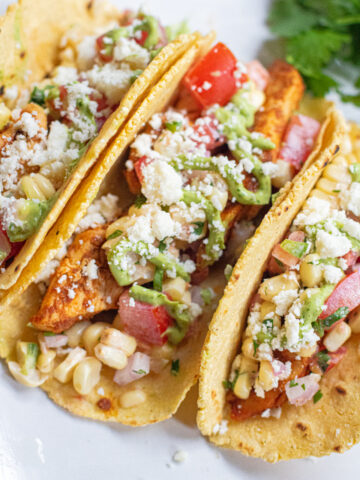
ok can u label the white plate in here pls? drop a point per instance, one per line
(40, 441)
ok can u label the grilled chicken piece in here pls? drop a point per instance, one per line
(74, 293)
(254, 405)
(282, 96)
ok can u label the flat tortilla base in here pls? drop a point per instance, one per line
(299, 432)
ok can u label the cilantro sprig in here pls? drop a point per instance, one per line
(318, 34)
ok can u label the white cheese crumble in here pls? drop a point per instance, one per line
(331, 246)
(162, 184)
(314, 211)
(90, 270)
(332, 274)
(350, 198)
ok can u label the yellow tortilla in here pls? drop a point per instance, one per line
(30, 33)
(164, 391)
(314, 429)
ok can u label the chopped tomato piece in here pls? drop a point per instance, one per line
(336, 357)
(258, 74)
(284, 257)
(146, 322)
(351, 258)
(105, 53)
(206, 131)
(345, 294)
(213, 79)
(8, 249)
(275, 267)
(139, 166)
(299, 140)
(141, 36)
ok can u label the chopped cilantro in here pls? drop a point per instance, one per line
(229, 385)
(175, 367)
(140, 372)
(256, 346)
(320, 325)
(173, 126)
(49, 334)
(323, 359)
(318, 396)
(199, 228)
(115, 234)
(206, 295)
(162, 246)
(139, 201)
(320, 37)
(293, 383)
(303, 386)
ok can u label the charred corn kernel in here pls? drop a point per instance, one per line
(337, 173)
(308, 351)
(75, 333)
(112, 357)
(86, 375)
(176, 288)
(219, 198)
(45, 362)
(132, 398)
(337, 336)
(64, 371)
(328, 186)
(32, 379)
(311, 273)
(271, 287)
(266, 375)
(92, 335)
(114, 338)
(282, 175)
(5, 115)
(243, 385)
(248, 348)
(36, 186)
(354, 321)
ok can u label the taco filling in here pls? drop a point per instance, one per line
(47, 129)
(306, 307)
(197, 169)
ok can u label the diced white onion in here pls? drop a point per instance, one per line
(138, 366)
(300, 390)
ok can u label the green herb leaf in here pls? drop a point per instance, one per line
(303, 386)
(318, 396)
(323, 359)
(325, 323)
(256, 345)
(199, 228)
(207, 295)
(288, 18)
(162, 246)
(115, 234)
(230, 385)
(293, 383)
(139, 201)
(175, 367)
(140, 372)
(173, 126)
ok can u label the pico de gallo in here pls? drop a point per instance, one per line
(197, 170)
(307, 307)
(46, 129)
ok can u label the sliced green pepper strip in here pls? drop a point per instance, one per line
(178, 311)
(216, 240)
(236, 187)
(160, 260)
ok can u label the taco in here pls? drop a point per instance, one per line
(279, 367)
(71, 74)
(116, 331)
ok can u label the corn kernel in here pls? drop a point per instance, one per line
(311, 273)
(92, 335)
(271, 287)
(64, 371)
(114, 338)
(282, 175)
(328, 186)
(248, 348)
(75, 333)
(112, 357)
(45, 361)
(176, 288)
(266, 375)
(337, 173)
(86, 375)
(337, 336)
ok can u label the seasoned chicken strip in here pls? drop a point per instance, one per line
(282, 96)
(81, 287)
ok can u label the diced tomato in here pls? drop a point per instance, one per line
(143, 161)
(258, 74)
(102, 49)
(275, 267)
(212, 79)
(146, 322)
(299, 140)
(206, 131)
(9, 248)
(141, 36)
(336, 357)
(297, 236)
(345, 294)
(351, 258)
(284, 257)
